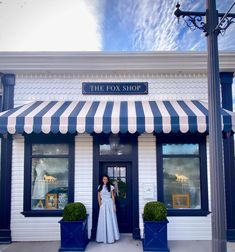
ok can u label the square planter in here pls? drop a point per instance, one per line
(155, 236)
(74, 235)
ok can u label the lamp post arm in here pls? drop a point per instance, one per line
(232, 15)
(179, 13)
(193, 19)
(225, 20)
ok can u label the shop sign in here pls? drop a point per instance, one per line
(114, 88)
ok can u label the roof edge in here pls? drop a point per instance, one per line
(158, 62)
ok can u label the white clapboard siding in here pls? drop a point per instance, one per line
(147, 169)
(83, 173)
(27, 228)
(47, 228)
(179, 228)
(189, 228)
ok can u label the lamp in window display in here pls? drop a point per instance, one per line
(40, 187)
(182, 180)
(114, 141)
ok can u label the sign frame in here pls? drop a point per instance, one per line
(115, 88)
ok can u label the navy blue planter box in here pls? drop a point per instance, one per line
(74, 236)
(155, 236)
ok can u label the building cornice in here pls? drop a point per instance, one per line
(118, 62)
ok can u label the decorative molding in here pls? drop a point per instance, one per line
(108, 76)
(102, 62)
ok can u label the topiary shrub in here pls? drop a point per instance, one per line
(74, 212)
(155, 211)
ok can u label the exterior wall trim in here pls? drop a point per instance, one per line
(101, 61)
(226, 80)
(8, 81)
(133, 159)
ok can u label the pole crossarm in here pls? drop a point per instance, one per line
(195, 20)
(224, 22)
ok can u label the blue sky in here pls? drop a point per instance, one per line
(103, 25)
(151, 25)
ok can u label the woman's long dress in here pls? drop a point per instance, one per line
(40, 186)
(107, 228)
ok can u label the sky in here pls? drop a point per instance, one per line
(103, 25)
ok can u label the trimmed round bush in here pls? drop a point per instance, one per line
(74, 212)
(155, 211)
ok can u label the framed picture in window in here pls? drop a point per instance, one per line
(180, 200)
(51, 200)
(62, 200)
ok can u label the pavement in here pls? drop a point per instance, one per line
(125, 244)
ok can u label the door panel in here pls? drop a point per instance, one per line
(120, 177)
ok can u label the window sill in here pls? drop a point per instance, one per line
(187, 212)
(42, 213)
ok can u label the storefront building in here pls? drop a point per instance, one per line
(141, 118)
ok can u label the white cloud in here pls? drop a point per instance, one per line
(50, 25)
(76, 25)
(156, 28)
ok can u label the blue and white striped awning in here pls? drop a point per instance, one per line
(111, 116)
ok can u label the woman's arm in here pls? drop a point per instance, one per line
(99, 199)
(113, 198)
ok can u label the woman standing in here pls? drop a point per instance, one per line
(107, 228)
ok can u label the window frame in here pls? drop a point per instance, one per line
(184, 139)
(46, 139)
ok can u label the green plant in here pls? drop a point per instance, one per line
(155, 211)
(74, 212)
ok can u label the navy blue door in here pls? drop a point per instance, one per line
(120, 176)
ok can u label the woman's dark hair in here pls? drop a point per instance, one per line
(102, 183)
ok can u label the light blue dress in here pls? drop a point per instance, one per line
(107, 228)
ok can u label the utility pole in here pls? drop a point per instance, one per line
(215, 24)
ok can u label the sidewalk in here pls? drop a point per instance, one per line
(126, 244)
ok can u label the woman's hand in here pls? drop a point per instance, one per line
(114, 208)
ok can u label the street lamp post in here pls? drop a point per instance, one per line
(212, 27)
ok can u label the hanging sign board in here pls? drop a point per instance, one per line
(114, 88)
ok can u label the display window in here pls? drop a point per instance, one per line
(50, 166)
(181, 175)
